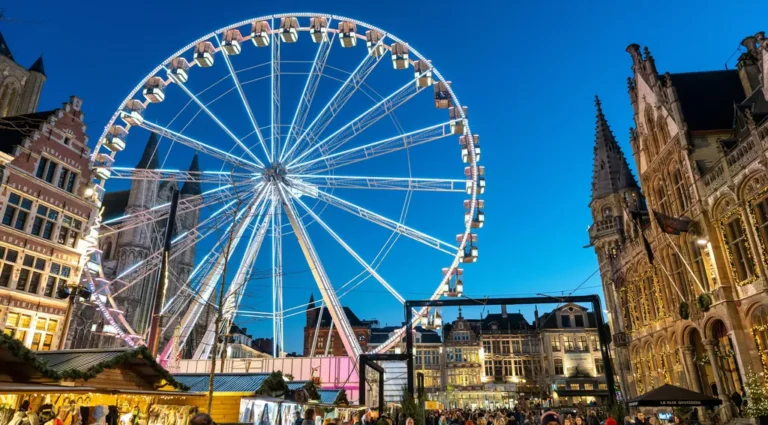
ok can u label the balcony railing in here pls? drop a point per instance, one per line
(605, 226)
(736, 160)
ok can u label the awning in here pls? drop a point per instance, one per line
(670, 395)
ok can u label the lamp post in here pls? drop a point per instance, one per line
(71, 291)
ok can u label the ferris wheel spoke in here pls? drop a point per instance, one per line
(308, 94)
(180, 176)
(277, 273)
(181, 243)
(202, 147)
(234, 233)
(375, 149)
(383, 183)
(160, 212)
(359, 124)
(337, 102)
(375, 218)
(352, 252)
(348, 337)
(220, 124)
(246, 104)
(242, 276)
(275, 79)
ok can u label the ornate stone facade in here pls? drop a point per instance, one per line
(700, 147)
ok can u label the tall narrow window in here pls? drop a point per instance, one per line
(71, 182)
(63, 178)
(50, 172)
(44, 222)
(8, 257)
(40, 172)
(681, 191)
(559, 370)
(738, 249)
(17, 211)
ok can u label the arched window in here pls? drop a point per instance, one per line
(607, 213)
(661, 197)
(107, 251)
(738, 246)
(760, 332)
(5, 97)
(681, 191)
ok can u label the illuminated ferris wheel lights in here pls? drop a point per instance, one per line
(347, 34)
(102, 163)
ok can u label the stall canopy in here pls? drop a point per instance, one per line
(20, 365)
(223, 382)
(244, 384)
(670, 395)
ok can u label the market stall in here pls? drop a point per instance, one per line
(83, 387)
(662, 400)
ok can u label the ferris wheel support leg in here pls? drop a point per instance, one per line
(191, 316)
(352, 252)
(330, 299)
(277, 275)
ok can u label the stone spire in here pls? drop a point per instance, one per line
(311, 312)
(149, 159)
(192, 188)
(611, 172)
(4, 50)
(38, 66)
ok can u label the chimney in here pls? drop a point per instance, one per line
(749, 70)
(504, 311)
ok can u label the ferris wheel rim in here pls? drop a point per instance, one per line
(472, 164)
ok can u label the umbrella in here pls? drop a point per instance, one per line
(670, 395)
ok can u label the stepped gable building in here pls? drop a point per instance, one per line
(20, 87)
(121, 251)
(689, 307)
(44, 173)
(361, 328)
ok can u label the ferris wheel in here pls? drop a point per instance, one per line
(278, 109)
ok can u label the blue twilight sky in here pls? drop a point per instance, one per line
(527, 70)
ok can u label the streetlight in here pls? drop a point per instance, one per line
(73, 291)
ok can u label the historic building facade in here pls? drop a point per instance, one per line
(121, 251)
(512, 359)
(325, 339)
(44, 173)
(572, 357)
(689, 307)
(463, 370)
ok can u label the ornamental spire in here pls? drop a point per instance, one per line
(192, 188)
(611, 171)
(149, 159)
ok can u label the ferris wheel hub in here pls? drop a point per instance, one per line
(275, 173)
